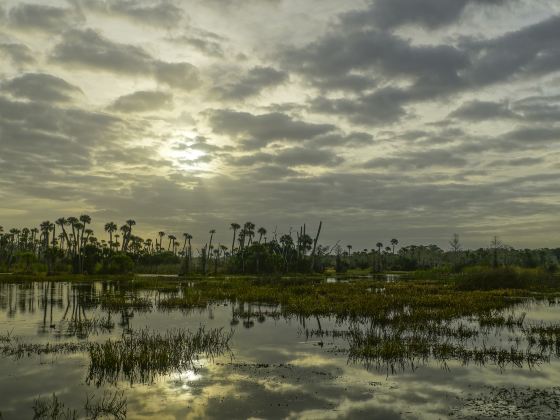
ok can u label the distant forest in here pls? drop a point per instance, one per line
(69, 245)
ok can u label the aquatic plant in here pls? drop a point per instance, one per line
(110, 404)
(52, 409)
(141, 355)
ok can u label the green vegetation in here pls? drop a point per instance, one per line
(53, 409)
(109, 405)
(76, 249)
(140, 356)
(484, 278)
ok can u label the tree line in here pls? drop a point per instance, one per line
(69, 245)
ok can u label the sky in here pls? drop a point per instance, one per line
(407, 119)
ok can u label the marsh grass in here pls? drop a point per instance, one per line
(16, 348)
(110, 404)
(115, 303)
(52, 409)
(545, 337)
(83, 328)
(399, 352)
(142, 355)
(188, 301)
(497, 319)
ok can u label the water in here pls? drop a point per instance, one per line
(275, 369)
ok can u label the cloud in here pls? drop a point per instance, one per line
(206, 42)
(381, 107)
(41, 87)
(41, 17)
(431, 14)
(161, 14)
(539, 108)
(419, 160)
(142, 101)
(516, 162)
(386, 72)
(258, 130)
(18, 54)
(483, 110)
(292, 157)
(252, 83)
(532, 50)
(88, 49)
(354, 139)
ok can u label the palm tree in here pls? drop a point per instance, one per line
(394, 242)
(161, 234)
(234, 227)
(73, 221)
(129, 223)
(110, 228)
(379, 245)
(185, 236)
(209, 255)
(125, 229)
(85, 219)
(249, 229)
(172, 239)
(261, 232)
(63, 222)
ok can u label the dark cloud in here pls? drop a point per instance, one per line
(532, 50)
(42, 17)
(207, 46)
(142, 101)
(381, 107)
(18, 54)
(207, 42)
(252, 83)
(431, 14)
(516, 162)
(88, 49)
(164, 13)
(420, 160)
(340, 53)
(539, 108)
(348, 57)
(292, 157)
(354, 139)
(529, 136)
(259, 130)
(41, 87)
(42, 141)
(483, 110)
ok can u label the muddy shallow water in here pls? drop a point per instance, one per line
(277, 367)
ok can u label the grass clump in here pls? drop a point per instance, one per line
(119, 302)
(52, 409)
(111, 404)
(140, 356)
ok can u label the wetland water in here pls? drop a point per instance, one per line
(276, 366)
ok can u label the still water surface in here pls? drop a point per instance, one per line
(276, 368)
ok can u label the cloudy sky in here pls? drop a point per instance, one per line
(412, 119)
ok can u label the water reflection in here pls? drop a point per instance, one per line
(280, 365)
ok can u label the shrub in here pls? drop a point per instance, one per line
(119, 264)
(486, 278)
